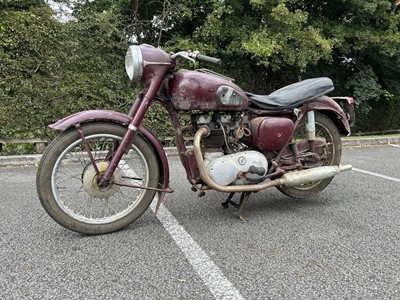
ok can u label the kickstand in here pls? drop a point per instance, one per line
(244, 198)
(230, 201)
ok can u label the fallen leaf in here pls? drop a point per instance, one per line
(182, 280)
(316, 262)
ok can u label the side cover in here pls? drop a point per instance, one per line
(271, 133)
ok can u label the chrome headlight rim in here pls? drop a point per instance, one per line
(134, 62)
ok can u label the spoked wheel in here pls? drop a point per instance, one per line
(68, 187)
(327, 146)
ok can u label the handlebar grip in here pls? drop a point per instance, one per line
(208, 59)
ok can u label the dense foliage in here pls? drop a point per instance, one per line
(50, 68)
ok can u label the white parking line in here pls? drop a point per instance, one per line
(211, 275)
(398, 146)
(376, 174)
(219, 285)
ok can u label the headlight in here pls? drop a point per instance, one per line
(134, 62)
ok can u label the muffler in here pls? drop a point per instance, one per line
(289, 179)
(312, 175)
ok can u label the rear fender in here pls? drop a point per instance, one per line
(333, 110)
(120, 118)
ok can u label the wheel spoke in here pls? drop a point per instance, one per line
(67, 180)
(94, 207)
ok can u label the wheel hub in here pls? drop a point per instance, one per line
(91, 181)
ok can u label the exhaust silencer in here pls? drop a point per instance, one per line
(312, 175)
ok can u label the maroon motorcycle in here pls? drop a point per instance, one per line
(106, 167)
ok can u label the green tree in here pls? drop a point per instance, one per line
(268, 44)
(51, 69)
(28, 43)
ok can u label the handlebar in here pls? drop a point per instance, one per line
(192, 56)
(208, 59)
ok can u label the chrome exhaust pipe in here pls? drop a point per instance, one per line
(312, 175)
(288, 179)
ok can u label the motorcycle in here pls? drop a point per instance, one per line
(105, 168)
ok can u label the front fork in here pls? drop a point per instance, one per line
(137, 113)
(125, 143)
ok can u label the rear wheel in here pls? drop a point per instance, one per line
(328, 146)
(68, 187)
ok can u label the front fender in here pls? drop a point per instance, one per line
(333, 110)
(90, 116)
(117, 117)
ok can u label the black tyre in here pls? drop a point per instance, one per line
(67, 186)
(327, 134)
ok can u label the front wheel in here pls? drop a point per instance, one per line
(327, 138)
(67, 183)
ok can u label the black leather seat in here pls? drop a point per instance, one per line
(293, 95)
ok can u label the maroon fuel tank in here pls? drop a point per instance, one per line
(198, 90)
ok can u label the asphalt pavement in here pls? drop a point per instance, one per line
(341, 244)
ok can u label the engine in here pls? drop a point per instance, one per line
(227, 158)
(238, 168)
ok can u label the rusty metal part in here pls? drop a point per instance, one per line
(312, 175)
(244, 199)
(290, 179)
